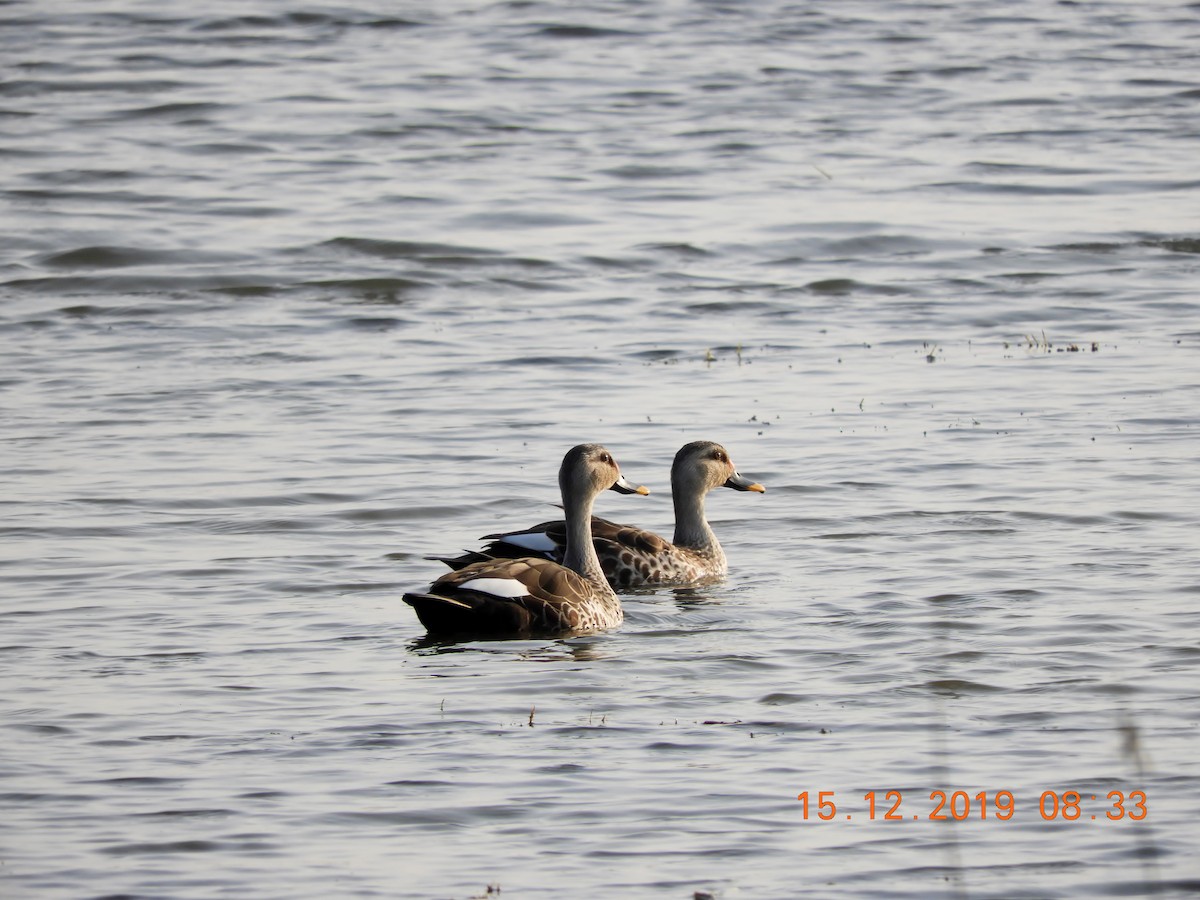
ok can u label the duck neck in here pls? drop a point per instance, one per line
(691, 526)
(580, 553)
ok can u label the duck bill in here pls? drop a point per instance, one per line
(624, 486)
(741, 483)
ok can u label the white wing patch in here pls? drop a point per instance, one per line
(497, 587)
(537, 541)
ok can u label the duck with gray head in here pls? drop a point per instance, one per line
(634, 557)
(533, 595)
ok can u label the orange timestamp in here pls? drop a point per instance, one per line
(943, 806)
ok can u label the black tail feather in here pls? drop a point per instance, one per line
(458, 562)
(470, 613)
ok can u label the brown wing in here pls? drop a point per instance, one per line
(639, 540)
(556, 600)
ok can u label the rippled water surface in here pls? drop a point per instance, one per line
(293, 296)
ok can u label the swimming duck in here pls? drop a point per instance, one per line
(633, 557)
(533, 594)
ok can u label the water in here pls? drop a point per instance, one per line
(292, 296)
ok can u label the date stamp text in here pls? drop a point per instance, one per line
(945, 806)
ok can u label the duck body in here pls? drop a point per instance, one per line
(523, 597)
(533, 595)
(632, 557)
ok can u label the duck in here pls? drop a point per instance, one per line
(633, 557)
(533, 595)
